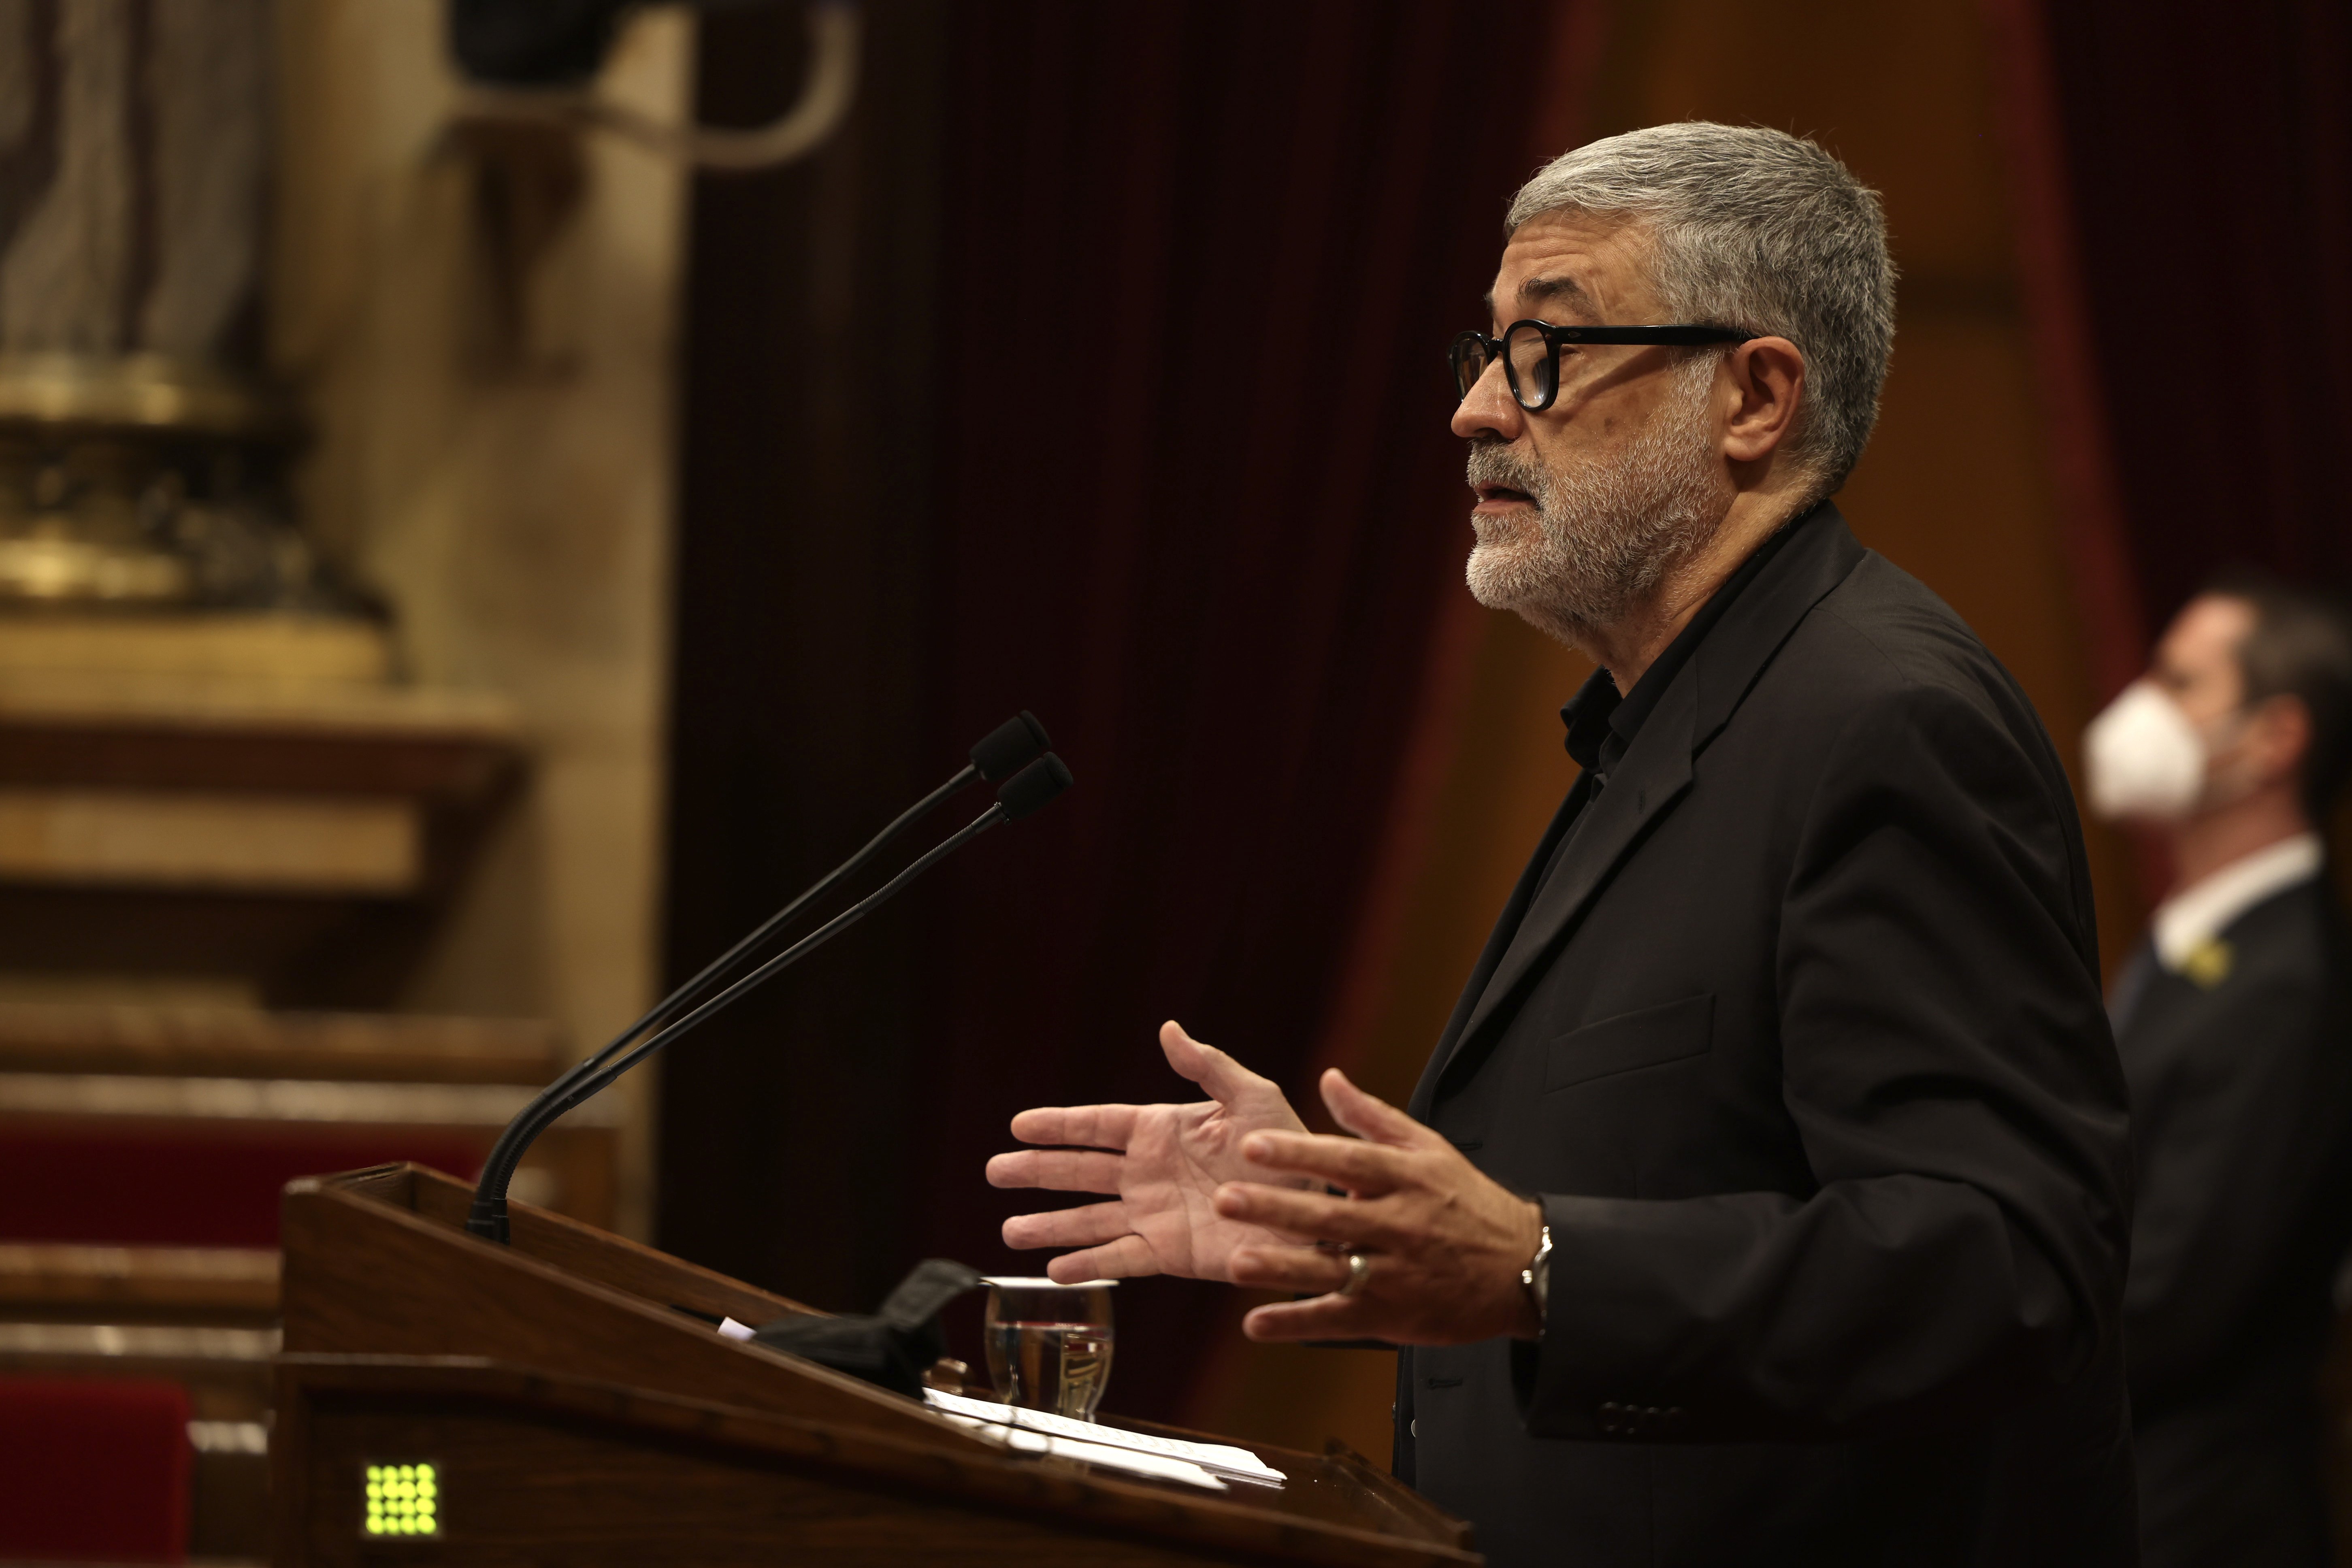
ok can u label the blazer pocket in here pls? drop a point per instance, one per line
(1667, 1033)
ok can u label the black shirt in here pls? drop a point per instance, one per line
(1601, 723)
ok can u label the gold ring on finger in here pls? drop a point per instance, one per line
(1360, 1268)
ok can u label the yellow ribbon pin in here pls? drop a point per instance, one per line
(2209, 964)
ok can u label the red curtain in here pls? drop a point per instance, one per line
(1201, 262)
(2186, 180)
(1097, 366)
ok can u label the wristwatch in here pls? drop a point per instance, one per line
(1536, 1278)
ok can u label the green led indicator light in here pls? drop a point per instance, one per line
(404, 1499)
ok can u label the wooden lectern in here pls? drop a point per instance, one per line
(576, 1406)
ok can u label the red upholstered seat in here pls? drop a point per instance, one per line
(93, 1469)
(173, 1184)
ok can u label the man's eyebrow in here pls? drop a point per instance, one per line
(1537, 291)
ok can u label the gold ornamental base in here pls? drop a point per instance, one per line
(60, 568)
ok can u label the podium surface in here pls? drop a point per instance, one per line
(570, 1401)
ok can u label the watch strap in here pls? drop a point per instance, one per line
(1536, 1278)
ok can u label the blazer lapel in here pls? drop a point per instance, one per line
(1653, 774)
(1498, 941)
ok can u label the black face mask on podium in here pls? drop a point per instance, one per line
(893, 1347)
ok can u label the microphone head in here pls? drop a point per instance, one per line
(1027, 791)
(1010, 747)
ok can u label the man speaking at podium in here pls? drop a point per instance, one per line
(1766, 1198)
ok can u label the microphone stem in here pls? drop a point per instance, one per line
(726, 961)
(506, 1152)
(489, 1213)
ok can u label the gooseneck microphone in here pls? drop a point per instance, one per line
(1016, 748)
(1001, 753)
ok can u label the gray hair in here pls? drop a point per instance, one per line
(1760, 230)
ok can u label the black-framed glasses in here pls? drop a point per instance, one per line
(1530, 352)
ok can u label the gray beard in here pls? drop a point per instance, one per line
(1607, 530)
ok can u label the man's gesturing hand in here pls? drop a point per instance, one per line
(1445, 1241)
(1163, 1163)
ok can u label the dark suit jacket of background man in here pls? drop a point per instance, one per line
(2241, 1098)
(1801, 1042)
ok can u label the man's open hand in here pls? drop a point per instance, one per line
(1163, 1163)
(1445, 1241)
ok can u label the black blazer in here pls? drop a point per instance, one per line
(1802, 1048)
(2241, 1123)
(2242, 1099)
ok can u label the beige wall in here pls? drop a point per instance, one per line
(1956, 487)
(514, 506)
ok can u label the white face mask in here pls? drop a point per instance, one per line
(2144, 759)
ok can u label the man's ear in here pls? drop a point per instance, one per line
(2280, 735)
(1768, 377)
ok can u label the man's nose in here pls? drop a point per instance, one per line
(1490, 410)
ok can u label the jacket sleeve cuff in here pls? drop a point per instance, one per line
(1564, 1382)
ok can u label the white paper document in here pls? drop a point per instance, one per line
(1210, 1464)
(1020, 1439)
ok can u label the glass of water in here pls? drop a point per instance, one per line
(1049, 1345)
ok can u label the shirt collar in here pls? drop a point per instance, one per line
(2202, 910)
(1586, 717)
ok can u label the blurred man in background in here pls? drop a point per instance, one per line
(2236, 1035)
